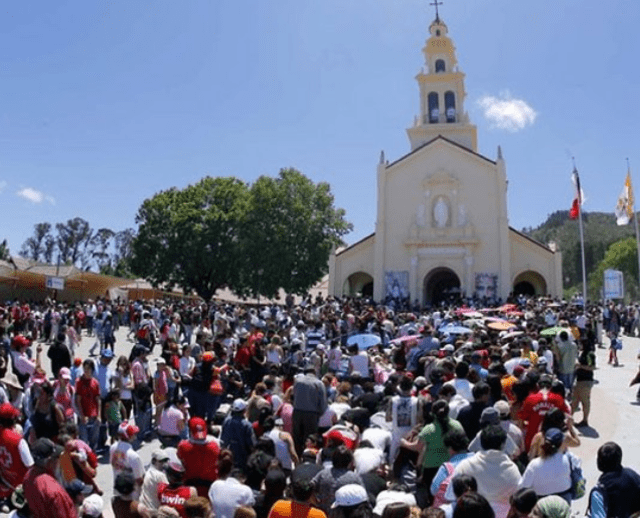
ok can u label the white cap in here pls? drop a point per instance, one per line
(349, 495)
(239, 405)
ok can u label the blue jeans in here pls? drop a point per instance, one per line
(90, 432)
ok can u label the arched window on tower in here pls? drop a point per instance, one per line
(440, 66)
(450, 106)
(434, 108)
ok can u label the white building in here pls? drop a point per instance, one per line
(442, 223)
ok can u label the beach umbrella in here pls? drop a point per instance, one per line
(501, 326)
(472, 314)
(552, 331)
(364, 341)
(404, 339)
(455, 330)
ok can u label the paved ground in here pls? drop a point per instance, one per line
(614, 415)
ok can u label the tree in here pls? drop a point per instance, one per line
(191, 237)
(71, 238)
(119, 263)
(292, 226)
(35, 247)
(5, 254)
(99, 245)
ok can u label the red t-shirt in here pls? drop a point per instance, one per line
(88, 390)
(175, 497)
(46, 497)
(243, 356)
(200, 460)
(535, 407)
(12, 468)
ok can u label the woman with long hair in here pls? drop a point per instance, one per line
(430, 441)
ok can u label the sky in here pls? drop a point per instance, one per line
(106, 103)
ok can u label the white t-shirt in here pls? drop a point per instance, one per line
(169, 420)
(187, 363)
(149, 495)
(123, 457)
(548, 476)
(380, 438)
(227, 495)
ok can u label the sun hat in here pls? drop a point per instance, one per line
(350, 495)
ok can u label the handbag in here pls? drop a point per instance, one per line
(578, 482)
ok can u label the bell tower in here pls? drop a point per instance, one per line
(442, 93)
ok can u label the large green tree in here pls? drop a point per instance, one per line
(192, 237)
(291, 227)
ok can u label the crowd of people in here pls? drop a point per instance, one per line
(338, 408)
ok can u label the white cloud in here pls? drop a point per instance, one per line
(35, 196)
(507, 113)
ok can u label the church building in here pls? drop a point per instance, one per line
(442, 224)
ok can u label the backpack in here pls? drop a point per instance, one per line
(438, 498)
(605, 503)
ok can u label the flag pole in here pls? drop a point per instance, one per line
(584, 268)
(635, 220)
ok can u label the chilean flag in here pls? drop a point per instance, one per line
(574, 212)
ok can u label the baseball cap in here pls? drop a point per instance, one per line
(106, 353)
(449, 348)
(44, 449)
(161, 360)
(239, 405)
(489, 416)
(198, 428)
(554, 436)
(127, 430)
(502, 407)
(77, 486)
(208, 356)
(159, 455)
(64, 373)
(350, 495)
(8, 411)
(92, 505)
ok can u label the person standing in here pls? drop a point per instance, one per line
(402, 413)
(309, 403)
(124, 458)
(567, 355)
(237, 433)
(14, 451)
(199, 455)
(88, 404)
(584, 382)
(46, 497)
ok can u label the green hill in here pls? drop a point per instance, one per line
(600, 231)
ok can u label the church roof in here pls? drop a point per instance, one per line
(440, 137)
(528, 238)
(355, 244)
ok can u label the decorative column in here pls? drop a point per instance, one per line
(413, 277)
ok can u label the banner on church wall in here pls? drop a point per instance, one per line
(486, 285)
(396, 284)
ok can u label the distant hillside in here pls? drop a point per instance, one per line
(600, 231)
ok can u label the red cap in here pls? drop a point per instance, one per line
(20, 341)
(127, 430)
(8, 411)
(198, 428)
(208, 357)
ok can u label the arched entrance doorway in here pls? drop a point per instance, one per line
(530, 284)
(359, 283)
(441, 285)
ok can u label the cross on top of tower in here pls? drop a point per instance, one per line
(436, 4)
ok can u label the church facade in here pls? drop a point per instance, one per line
(442, 224)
